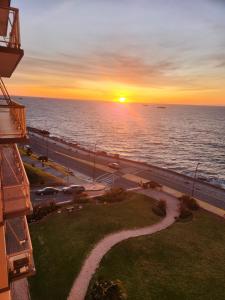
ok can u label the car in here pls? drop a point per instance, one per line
(47, 191)
(27, 147)
(73, 189)
(70, 172)
(114, 165)
(101, 152)
(43, 158)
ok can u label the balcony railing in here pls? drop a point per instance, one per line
(19, 249)
(12, 123)
(9, 27)
(10, 44)
(15, 192)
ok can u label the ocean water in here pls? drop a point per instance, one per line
(176, 137)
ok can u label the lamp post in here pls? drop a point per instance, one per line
(94, 161)
(45, 133)
(193, 186)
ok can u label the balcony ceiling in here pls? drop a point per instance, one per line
(9, 59)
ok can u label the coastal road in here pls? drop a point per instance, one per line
(85, 162)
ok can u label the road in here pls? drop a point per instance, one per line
(95, 166)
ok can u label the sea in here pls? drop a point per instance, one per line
(177, 137)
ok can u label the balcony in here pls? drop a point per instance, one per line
(10, 52)
(12, 123)
(19, 249)
(4, 283)
(15, 192)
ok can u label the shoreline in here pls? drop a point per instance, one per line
(77, 146)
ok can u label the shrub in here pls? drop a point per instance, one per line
(80, 199)
(184, 211)
(113, 195)
(41, 211)
(160, 208)
(190, 202)
(108, 290)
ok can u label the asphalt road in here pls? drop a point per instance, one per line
(84, 161)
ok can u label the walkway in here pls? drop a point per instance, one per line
(80, 286)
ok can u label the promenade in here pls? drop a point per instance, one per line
(130, 174)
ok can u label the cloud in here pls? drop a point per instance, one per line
(102, 66)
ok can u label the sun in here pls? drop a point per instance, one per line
(122, 99)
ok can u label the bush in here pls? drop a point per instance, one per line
(108, 290)
(189, 202)
(113, 195)
(41, 211)
(154, 185)
(160, 208)
(184, 211)
(80, 198)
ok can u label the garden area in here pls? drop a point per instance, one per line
(185, 261)
(62, 241)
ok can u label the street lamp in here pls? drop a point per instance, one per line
(46, 133)
(94, 161)
(193, 187)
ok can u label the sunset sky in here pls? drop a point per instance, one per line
(164, 51)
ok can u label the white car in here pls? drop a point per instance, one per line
(114, 165)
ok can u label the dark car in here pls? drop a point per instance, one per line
(100, 152)
(47, 191)
(73, 189)
(43, 158)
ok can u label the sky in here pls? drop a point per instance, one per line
(164, 51)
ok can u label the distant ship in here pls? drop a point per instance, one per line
(161, 106)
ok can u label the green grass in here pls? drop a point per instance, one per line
(37, 176)
(62, 241)
(186, 261)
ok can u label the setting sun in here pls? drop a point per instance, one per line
(122, 99)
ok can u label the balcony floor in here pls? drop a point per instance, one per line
(9, 133)
(15, 186)
(16, 236)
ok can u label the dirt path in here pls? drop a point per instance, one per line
(80, 286)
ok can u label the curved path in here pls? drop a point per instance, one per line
(80, 286)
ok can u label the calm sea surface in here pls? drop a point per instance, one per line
(176, 137)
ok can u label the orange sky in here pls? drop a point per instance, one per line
(112, 91)
(103, 50)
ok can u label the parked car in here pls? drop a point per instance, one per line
(43, 158)
(114, 165)
(47, 191)
(27, 147)
(73, 189)
(70, 172)
(100, 152)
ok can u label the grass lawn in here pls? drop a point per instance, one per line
(62, 241)
(185, 261)
(37, 176)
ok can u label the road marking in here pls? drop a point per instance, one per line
(135, 178)
(97, 166)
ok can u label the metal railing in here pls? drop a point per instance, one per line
(15, 113)
(9, 27)
(19, 250)
(15, 190)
